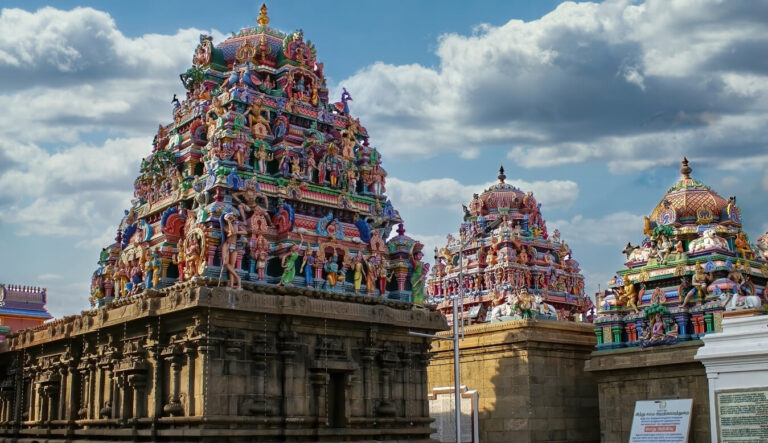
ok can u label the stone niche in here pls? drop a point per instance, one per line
(625, 376)
(195, 362)
(530, 379)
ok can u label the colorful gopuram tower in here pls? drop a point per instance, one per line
(250, 294)
(507, 263)
(22, 307)
(260, 179)
(693, 263)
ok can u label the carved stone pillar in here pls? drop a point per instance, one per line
(291, 406)
(71, 390)
(51, 405)
(191, 354)
(92, 408)
(41, 406)
(82, 412)
(32, 400)
(109, 390)
(63, 373)
(125, 397)
(367, 356)
(174, 407)
(319, 382)
(138, 383)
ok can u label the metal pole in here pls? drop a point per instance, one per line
(456, 368)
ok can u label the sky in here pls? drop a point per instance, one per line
(589, 105)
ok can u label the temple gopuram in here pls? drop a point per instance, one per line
(526, 329)
(22, 307)
(507, 263)
(249, 294)
(693, 263)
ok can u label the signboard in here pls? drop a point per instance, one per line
(441, 408)
(657, 421)
(742, 415)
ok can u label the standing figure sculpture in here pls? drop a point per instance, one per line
(231, 231)
(418, 276)
(359, 273)
(288, 263)
(307, 267)
(383, 276)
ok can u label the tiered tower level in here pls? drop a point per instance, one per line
(22, 307)
(694, 263)
(261, 179)
(506, 264)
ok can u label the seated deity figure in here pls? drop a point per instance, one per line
(699, 282)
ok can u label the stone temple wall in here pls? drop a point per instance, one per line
(196, 362)
(626, 376)
(530, 379)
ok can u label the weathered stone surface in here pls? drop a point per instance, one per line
(626, 376)
(199, 363)
(530, 379)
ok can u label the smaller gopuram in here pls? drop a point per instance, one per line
(22, 307)
(249, 294)
(693, 262)
(506, 263)
(694, 265)
(524, 353)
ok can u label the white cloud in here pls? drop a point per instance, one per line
(48, 277)
(633, 84)
(74, 72)
(77, 191)
(449, 193)
(611, 230)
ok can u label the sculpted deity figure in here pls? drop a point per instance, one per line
(262, 157)
(231, 230)
(308, 266)
(699, 282)
(247, 200)
(296, 172)
(358, 273)
(288, 262)
(628, 294)
(383, 276)
(741, 245)
(370, 275)
(658, 329)
(332, 270)
(259, 124)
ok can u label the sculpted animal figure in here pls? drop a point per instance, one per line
(708, 240)
(504, 309)
(636, 253)
(545, 308)
(743, 302)
(762, 245)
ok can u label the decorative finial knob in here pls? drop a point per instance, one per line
(685, 169)
(263, 20)
(501, 176)
(400, 229)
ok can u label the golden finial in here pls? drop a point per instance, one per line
(501, 175)
(263, 20)
(685, 169)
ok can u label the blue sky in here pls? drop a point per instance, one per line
(588, 105)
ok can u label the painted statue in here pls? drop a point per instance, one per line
(288, 262)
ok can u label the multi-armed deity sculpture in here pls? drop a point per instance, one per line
(694, 263)
(506, 264)
(261, 179)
